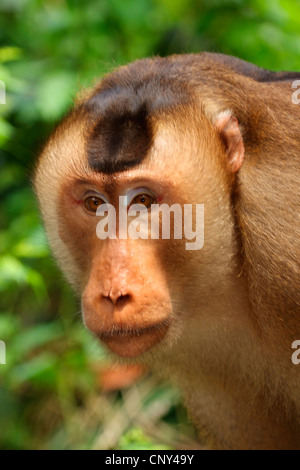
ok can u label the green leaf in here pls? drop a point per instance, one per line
(55, 94)
(40, 369)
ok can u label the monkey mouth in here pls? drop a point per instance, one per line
(132, 342)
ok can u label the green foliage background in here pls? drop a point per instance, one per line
(50, 395)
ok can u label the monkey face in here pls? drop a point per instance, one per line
(129, 284)
(136, 290)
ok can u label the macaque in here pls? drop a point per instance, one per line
(211, 131)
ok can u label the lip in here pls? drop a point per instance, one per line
(133, 342)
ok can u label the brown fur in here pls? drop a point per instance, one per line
(220, 321)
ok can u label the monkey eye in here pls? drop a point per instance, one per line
(92, 203)
(143, 199)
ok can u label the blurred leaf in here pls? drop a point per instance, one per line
(55, 94)
(40, 369)
(10, 53)
(6, 130)
(35, 337)
(9, 324)
(135, 439)
(11, 270)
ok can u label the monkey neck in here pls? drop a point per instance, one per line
(228, 416)
(225, 377)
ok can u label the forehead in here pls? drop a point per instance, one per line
(173, 141)
(134, 116)
(122, 123)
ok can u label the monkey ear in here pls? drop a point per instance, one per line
(228, 127)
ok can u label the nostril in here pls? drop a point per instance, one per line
(122, 300)
(118, 300)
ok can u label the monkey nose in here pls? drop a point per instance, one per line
(117, 298)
